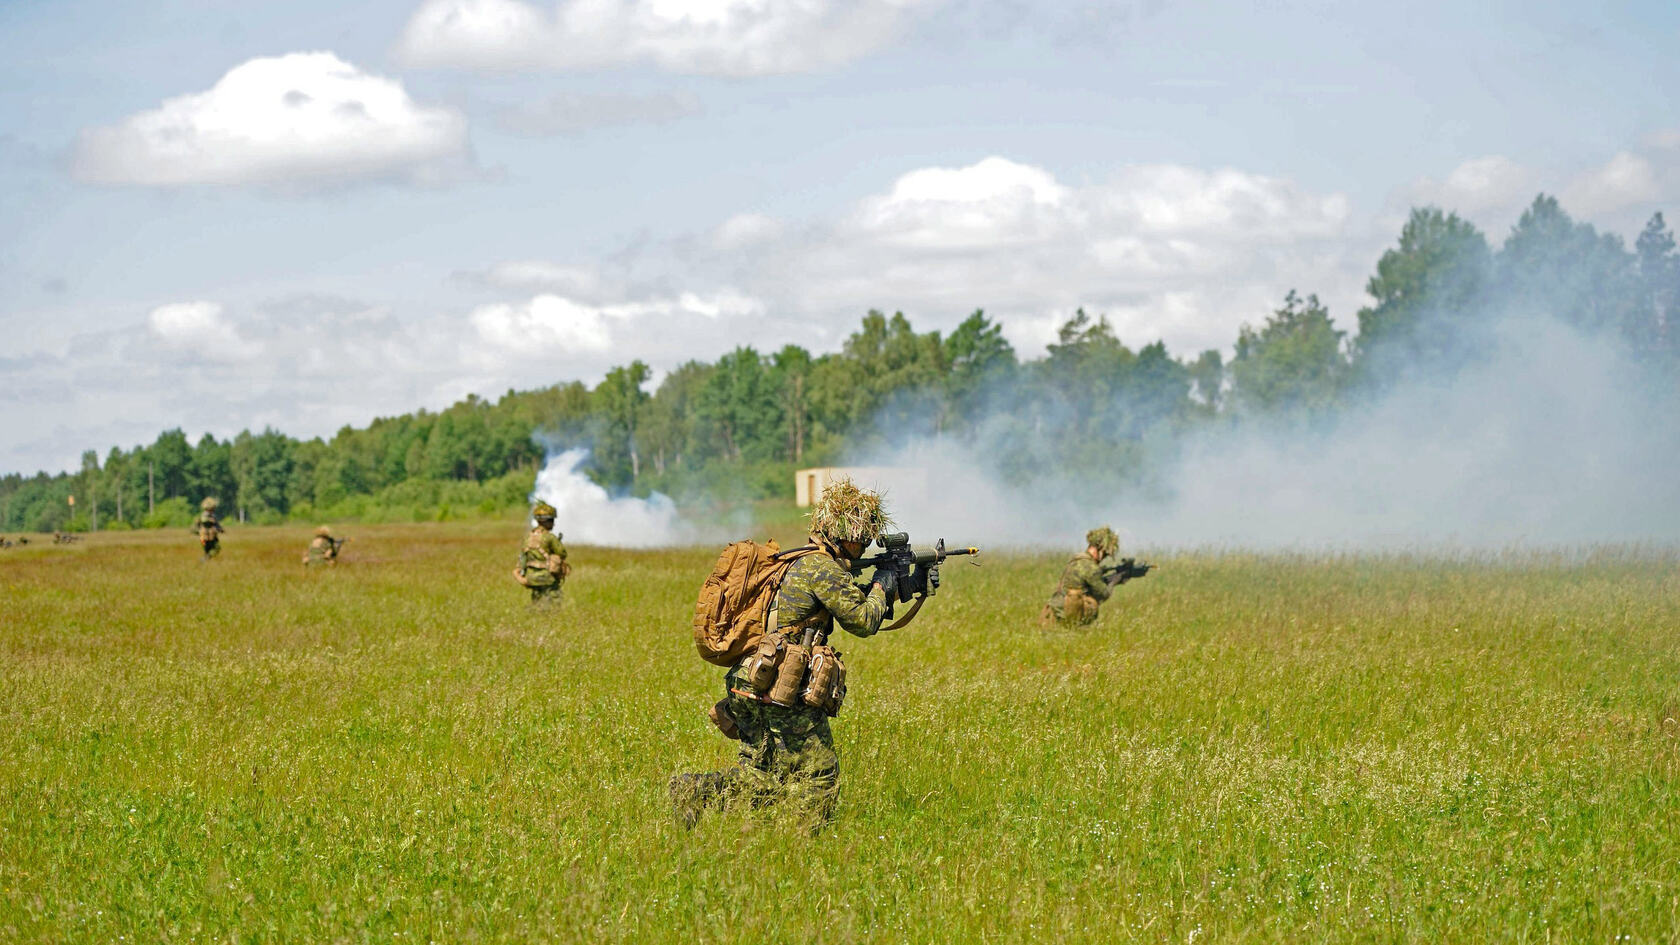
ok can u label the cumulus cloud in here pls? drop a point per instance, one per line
(699, 37)
(1178, 253)
(302, 118)
(198, 328)
(1490, 183)
(1494, 189)
(549, 324)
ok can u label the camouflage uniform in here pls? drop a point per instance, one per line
(209, 529)
(787, 752)
(1081, 590)
(541, 548)
(322, 550)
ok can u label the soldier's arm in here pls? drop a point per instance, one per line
(856, 612)
(556, 547)
(1091, 575)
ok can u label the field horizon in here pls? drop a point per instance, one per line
(1248, 746)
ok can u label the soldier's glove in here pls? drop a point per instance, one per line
(888, 579)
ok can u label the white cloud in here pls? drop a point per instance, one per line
(546, 322)
(552, 324)
(701, 37)
(1493, 183)
(539, 275)
(745, 229)
(1619, 193)
(198, 328)
(307, 118)
(992, 203)
(1167, 251)
(1626, 180)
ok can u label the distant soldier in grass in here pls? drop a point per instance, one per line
(787, 750)
(209, 529)
(542, 563)
(323, 549)
(1081, 590)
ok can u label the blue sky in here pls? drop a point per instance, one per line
(225, 216)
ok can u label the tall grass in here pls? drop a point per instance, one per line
(1245, 748)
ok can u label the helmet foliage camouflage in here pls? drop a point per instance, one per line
(1103, 539)
(542, 510)
(323, 532)
(209, 504)
(847, 513)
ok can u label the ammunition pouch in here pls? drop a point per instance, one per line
(762, 667)
(1078, 606)
(825, 686)
(790, 675)
(719, 714)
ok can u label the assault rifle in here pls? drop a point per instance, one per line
(338, 545)
(915, 570)
(1118, 571)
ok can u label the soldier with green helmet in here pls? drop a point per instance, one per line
(542, 563)
(323, 549)
(209, 529)
(1081, 589)
(787, 751)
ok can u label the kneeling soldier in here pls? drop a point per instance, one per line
(323, 550)
(1081, 589)
(787, 750)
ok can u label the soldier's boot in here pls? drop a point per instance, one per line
(692, 793)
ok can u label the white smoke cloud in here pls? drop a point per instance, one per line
(699, 37)
(587, 514)
(1550, 442)
(308, 118)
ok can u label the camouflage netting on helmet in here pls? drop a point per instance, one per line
(323, 532)
(1103, 539)
(542, 510)
(209, 505)
(847, 513)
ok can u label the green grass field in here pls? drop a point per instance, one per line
(1245, 748)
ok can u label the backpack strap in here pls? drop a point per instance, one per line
(789, 556)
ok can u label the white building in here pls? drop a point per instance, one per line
(900, 484)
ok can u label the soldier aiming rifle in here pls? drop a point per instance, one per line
(767, 615)
(1089, 579)
(323, 548)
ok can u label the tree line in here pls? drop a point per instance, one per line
(737, 427)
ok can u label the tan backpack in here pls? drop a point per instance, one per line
(733, 610)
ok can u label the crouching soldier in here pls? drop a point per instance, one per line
(542, 563)
(323, 548)
(787, 749)
(1081, 590)
(209, 529)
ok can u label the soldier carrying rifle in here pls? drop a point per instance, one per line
(209, 529)
(323, 548)
(1089, 579)
(767, 615)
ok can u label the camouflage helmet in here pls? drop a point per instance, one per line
(1103, 539)
(323, 532)
(209, 504)
(847, 513)
(542, 510)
